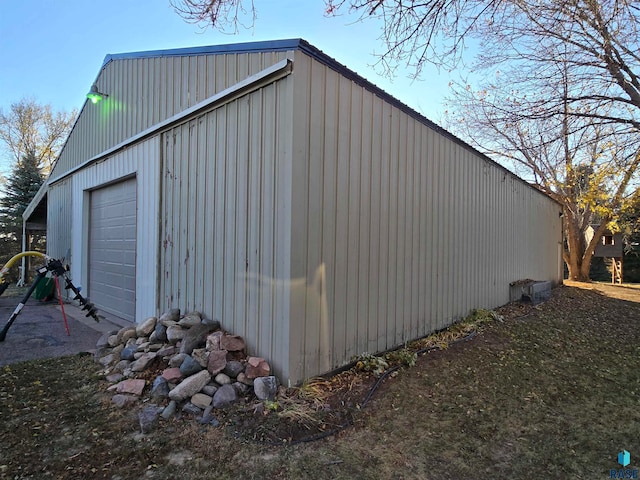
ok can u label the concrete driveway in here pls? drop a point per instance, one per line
(39, 332)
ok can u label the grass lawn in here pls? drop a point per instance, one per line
(551, 392)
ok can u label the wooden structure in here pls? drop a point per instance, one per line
(610, 248)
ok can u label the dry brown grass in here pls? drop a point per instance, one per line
(550, 392)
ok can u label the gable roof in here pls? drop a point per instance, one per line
(296, 44)
(246, 47)
(302, 45)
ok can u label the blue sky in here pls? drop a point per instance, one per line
(52, 50)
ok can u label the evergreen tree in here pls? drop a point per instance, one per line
(19, 189)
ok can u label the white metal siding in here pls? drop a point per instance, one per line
(225, 218)
(144, 91)
(142, 161)
(410, 229)
(59, 220)
(311, 216)
(112, 248)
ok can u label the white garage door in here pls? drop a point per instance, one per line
(112, 249)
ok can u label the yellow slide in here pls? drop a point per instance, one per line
(11, 263)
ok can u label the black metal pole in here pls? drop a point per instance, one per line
(41, 273)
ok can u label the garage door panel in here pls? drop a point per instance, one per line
(112, 249)
(114, 280)
(129, 258)
(116, 293)
(118, 262)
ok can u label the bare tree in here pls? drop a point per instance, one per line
(586, 165)
(225, 15)
(597, 40)
(30, 128)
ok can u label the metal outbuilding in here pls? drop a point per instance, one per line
(270, 187)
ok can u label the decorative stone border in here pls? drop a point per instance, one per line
(205, 367)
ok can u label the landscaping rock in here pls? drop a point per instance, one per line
(101, 352)
(142, 362)
(222, 379)
(241, 388)
(175, 333)
(128, 334)
(233, 369)
(208, 418)
(177, 359)
(160, 388)
(124, 400)
(194, 356)
(147, 418)
(190, 320)
(145, 328)
(114, 377)
(190, 386)
(122, 365)
(103, 341)
(172, 315)
(110, 359)
(172, 374)
(189, 367)
(125, 334)
(201, 356)
(225, 396)
(194, 338)
(170, 410)
(166, 351)
(257, 367)
(209, 390)
(191, 408)
(201, 400)
(232, 343)
(242, 378)
(128, 353)
(265, 388)
(236, 356)
(132, 386)
(213, 341)
(117, 349)
(212, 324)
(217, 361)
(160, 332)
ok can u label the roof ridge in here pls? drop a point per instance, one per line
(242, 47)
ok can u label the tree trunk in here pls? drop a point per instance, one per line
(578, 254)
(574, 255)
(578, 268)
